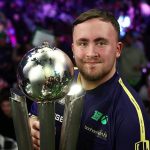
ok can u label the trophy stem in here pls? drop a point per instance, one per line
(47, 125)
(71, 123)
(20, 119)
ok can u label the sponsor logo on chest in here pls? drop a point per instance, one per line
(98, 125)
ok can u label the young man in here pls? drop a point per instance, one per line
(113, 115)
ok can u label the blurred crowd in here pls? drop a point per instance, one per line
(23, 24)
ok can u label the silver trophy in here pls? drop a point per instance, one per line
(45, 75)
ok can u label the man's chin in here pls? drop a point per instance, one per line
(91, 76)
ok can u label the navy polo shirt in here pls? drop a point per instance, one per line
(113, 118)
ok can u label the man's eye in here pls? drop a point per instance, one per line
(101, 43)
(82, 44)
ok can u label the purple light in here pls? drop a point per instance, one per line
(145, 9)
(144, 70)
(148, 65)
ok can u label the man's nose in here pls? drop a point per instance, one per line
(92, 51)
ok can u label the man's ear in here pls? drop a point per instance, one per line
(119, 49)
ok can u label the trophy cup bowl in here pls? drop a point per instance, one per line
(45, 73)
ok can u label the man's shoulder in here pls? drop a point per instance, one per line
(130, 106)
(127, 93)
(129, 102)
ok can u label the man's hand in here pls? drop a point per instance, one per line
(35, 132)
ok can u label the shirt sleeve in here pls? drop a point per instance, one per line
(34, 109)
(128, 134)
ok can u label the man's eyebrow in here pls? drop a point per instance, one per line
(100, 39)
(82, 39)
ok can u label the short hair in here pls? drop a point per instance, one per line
(102, 15)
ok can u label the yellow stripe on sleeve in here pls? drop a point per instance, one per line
(143, 142)
(139, 113)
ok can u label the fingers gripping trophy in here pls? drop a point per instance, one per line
(45, 75)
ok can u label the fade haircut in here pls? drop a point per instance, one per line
(102, 15)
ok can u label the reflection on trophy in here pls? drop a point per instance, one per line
(45, 75)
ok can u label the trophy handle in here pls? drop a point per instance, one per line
(20, 119)
(71, 122)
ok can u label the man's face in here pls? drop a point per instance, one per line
(95, 48)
